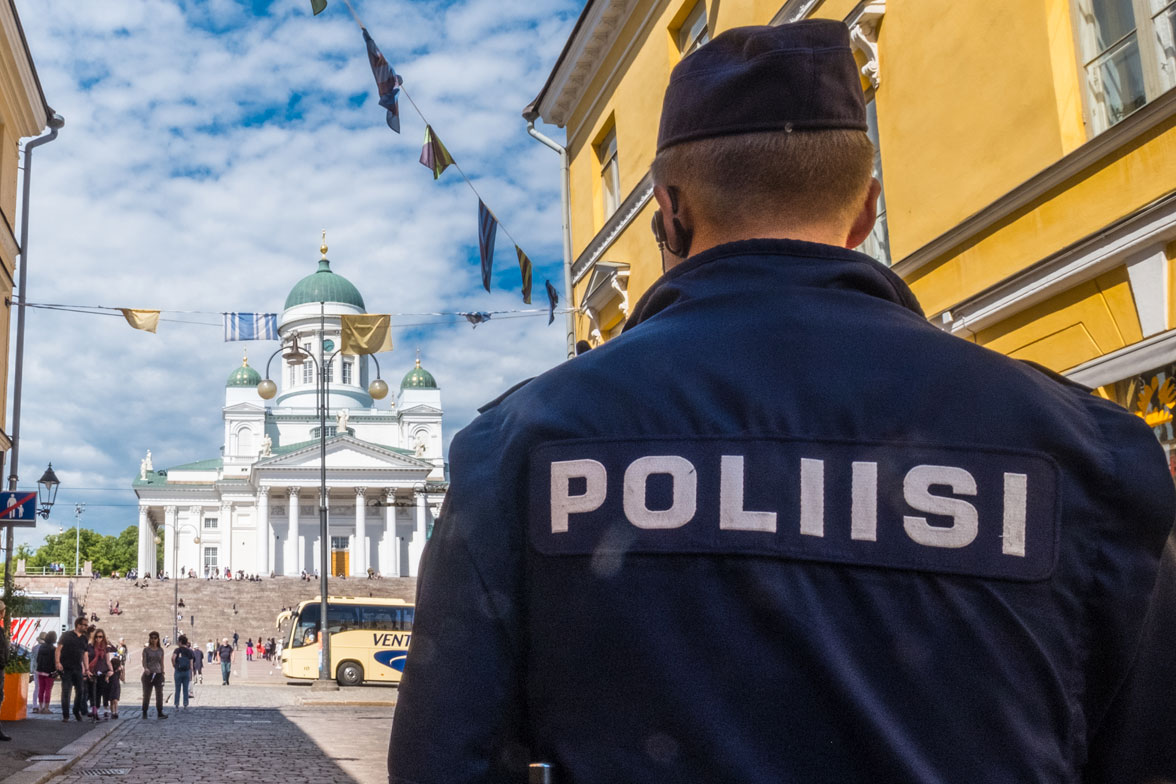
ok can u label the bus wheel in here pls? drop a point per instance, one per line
(349, 674)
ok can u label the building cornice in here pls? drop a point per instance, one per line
(617, 223)
(18, 77)
(586, 49)
(1126, 362)
(1154, 225)
(1105, 144)
(794, 11)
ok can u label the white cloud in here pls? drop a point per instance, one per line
(203, 150)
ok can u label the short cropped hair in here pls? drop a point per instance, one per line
(794, 178)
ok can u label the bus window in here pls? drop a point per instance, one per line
(387, 619)
(341, 618)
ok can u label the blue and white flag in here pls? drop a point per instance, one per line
(251, 326)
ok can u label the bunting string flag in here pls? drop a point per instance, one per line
(487, 226)
(434, 156)
(476, 318)
(146, 320)
(366, 333)
(525, 271)
(388, 82)
(552, 301)
(251, 326)
(318, 6)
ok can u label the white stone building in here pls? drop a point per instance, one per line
(256, 507)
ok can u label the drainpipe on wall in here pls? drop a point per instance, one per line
(530, 115)
(56, 121)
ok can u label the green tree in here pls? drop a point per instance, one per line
(109, 553)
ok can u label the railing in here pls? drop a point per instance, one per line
(45, 571)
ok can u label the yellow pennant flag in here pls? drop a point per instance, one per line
(146, 320)
(367, 333)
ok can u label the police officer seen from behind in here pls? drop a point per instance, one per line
(782, 529)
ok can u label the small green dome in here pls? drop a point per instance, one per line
(418, 378)
(244, 376)
(324, 286)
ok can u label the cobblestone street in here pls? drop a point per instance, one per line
(248, 732)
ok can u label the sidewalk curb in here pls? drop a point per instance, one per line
(40, 772)
(333, 703)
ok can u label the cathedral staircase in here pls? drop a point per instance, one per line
(220, 607)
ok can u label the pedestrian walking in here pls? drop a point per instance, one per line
(98, 671)
(183, 660)
(225, 652)
(118, 676)
(69, 659)
(197, 669)
(249, 649)
(915, 559)
(153, 675)
(235, 637)
(46, 672)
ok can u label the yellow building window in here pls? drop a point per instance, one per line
(1129, 51)
(693, 31)
(610, 173)
(878, 243)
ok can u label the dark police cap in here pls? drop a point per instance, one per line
(799, 76)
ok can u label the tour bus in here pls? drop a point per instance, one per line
(40, 613)
(369, 639)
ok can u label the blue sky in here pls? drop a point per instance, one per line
(206, 144)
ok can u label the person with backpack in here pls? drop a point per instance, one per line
(183, 660)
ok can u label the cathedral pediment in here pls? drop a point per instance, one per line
(421, 409)
(244, 408)
(344, 452)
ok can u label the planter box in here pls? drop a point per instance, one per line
(16, 697)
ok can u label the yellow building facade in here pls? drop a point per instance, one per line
(23, 113)
(1027, 150)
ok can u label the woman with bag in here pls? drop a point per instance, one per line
(98, 665)
(153, 675)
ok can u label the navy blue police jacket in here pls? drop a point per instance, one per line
(782, 529)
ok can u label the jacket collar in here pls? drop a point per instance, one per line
(846, 269)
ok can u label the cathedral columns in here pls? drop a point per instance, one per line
(263, 533)
(359, 565)
(416, 545)
(146, 542)
(293, 555)
(388, 544)
(226, 516)
(169, 541)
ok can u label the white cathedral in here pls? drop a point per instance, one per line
(256, 507)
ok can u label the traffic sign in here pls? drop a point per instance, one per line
(18, 508)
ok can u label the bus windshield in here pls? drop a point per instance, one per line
(349, 617)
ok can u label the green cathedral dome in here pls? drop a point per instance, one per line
(244, 376)
(324, 286)
(418, 378)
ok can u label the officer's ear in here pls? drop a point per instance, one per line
(867, 214)
(672, 225)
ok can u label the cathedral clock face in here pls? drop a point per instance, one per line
(328, 345)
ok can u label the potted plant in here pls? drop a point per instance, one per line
(16, 688)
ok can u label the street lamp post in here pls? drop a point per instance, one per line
(78, 509)
(295, 355)
(176, 529)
